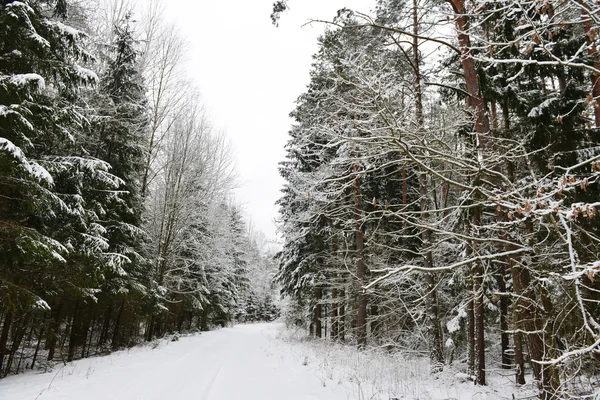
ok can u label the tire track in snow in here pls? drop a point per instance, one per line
(159, 373)
(211, 382)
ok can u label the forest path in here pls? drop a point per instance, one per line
(244, 362)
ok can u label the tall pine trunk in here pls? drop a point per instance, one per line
(436, 352)
(361, 270)
(476, 105)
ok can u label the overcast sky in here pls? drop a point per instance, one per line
(250, 73)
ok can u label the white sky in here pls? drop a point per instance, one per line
(250, 73)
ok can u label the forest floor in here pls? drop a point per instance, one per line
(248, 362)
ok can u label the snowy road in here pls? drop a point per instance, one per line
(245, 362)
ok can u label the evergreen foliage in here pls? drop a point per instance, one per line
(112, 223)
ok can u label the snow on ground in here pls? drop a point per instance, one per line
(261, 361)
(243, 362)
(377, 374)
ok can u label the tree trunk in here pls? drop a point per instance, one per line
(519, 358)
(517, 336)
(105, 325)
(87, 321)
(504, 338)
(4, 338)
(342, 316)
(436, 353)
(375, 322)
(361, 270)
(318, 314)
(478, 311)
(180, 321)
(470, 311)
(205, 319)
(590, 35)
(533, 324)
(37, 347)
(334, 314)
(482, 127)
(150, 330)
(470, 319)
(26, 344)
(475, 100)
(74, 335)
(500, 276)
(116, 342)
(17, 338)
(53, 325)
(471, 333)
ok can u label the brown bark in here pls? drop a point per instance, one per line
(475, 100)
(590, 35)
(361, 270)
(476, 105)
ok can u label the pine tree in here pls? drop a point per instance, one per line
(117, 135)
(38, 72)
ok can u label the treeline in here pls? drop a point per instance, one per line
(116, 224)
(442, 188)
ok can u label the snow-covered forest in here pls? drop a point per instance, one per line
(117, 223)
(439, 218)
(442, 188)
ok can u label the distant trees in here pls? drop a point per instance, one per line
(465, 183)
(115, 218)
